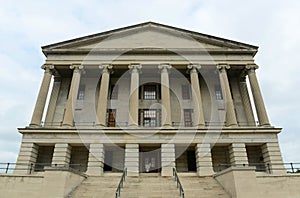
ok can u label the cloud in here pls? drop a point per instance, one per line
(27, 25)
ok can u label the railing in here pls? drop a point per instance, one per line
(178, 184)
(118, 191)
(7, 168)
(185, 124)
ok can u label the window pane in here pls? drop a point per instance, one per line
(185, 92)
(218, 92)
(187, 117)
(150, 92)
(81, 92)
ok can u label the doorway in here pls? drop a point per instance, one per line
(150, 159)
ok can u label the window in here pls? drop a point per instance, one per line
(150, 92)
(114, 92)
(187, 114)
(150, 117)
(111, 118)
(81, 92)
(218, 92)
(185, 89)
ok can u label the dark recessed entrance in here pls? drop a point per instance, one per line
(150, 159)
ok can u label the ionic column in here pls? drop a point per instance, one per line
(257, 96)
(230, 112)
(238, 154)
(134, 95)
(132, 159)
(246, 102)
(61, 155)
(96, 159)
(103, 94)
(198, 119)
(72, 97)
(42, 97)
(204, 160)
(167, 159)
(27, 156)
(165, 95)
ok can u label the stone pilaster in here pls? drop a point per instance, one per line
(132, 159)
(204, 160)
(72, 97)
(61, 155)
(246, 102)
(103, 94)
(27, 156)
(52, 102)
(272, 156)
(167, 159)
(257, 96)
(134, 95)
(238, 154)
(165, 95)
(42, 96)
(96, 159)
(198, 119)
(229, 107)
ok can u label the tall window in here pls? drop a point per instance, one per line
(150, 117)
(150, 92)
(81, 92)
(185, 90)
(114, 92)
(218, 92)
(187, 114)
(111, 118)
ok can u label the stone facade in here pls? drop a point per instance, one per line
(147, 98)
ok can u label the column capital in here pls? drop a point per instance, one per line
(47, 67)
(135, 67)
(164, 67)
(251, 66)
(106, 68)
(76, 67)
(193, 68)
(223, 66)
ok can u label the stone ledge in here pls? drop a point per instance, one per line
(230, 169)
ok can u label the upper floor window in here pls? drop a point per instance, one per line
(150, 92)
(111, 117)
(150, 117)
(114, 92)
(218, 92)
(187, 114)
(81, 92)
(185, 90)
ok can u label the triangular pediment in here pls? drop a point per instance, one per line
(148, 35)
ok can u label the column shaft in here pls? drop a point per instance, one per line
(61, 155)
(96, 159)
(247, 102)
(165, 95)
(132, 159)
(198, 119)
(204, 160)
(257, 96)
(238, 154)
(52, 102)
(134, 95)
(72, 97)
(103, 95)
(229, 108)
(167, 159)
(42, 97)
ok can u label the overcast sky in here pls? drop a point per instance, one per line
(27, 25)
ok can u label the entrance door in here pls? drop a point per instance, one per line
(150, 162)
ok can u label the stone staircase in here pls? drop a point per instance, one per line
(150, 186)
(97, 187)
(202, 187)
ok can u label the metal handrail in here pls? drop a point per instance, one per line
(178, 183)
(118, 191)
